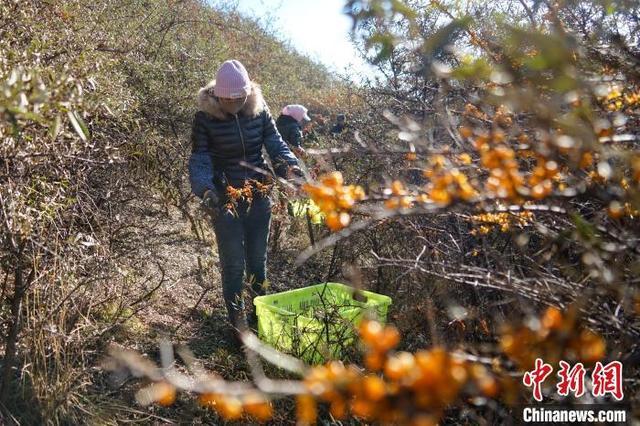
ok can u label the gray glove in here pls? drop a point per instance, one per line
(295, 171)
(210, 202)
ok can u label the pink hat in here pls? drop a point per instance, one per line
(232, 80)
(296, 111)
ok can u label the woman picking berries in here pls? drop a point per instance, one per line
(228, 172)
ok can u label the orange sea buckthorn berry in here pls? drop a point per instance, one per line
(406, 202)
(552, 318)
(208, 400)
(538, 192)
(432, 362)
(408, 361)
(306, 409)
(345, 219)
(489, 387)
(481, 143)
(370, 331)
(422, 198)
(466, 132)
(464, 158)
(257, 406)
(498, 136)
(394, 368)
(165, 393)
(357, 192)
(333, 221)
(591, 347)
(336, 369)
(374, 360)
(457, 370)
(332, 179)
(397, 188)
(374, 388)
(338, 409)
(229, 407)
(424, 420)
(362, 408)
(389, 339)
(337, 221)
(346, 202)
(392, 203)
(615, 210)
(440, 196)
(487, 384)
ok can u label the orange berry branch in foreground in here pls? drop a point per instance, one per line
(393, 387)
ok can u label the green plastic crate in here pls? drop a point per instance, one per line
(316, 323)
(304, 207)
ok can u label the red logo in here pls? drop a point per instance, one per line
(571, 379)
(536, 376)
(608, 379)
(605, 379)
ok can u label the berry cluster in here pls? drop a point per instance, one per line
(617, 99)
(541, 178)
(254, 405)
(334, 198)
(398, 196)
(247, 192)
(556, 336)
(396, 387)
(505, 179)
(447, 183)
(503, 220)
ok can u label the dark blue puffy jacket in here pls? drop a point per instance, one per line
(220, 142)
(290, 130)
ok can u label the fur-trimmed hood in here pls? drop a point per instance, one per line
(208, 103)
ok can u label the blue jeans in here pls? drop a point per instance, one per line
(242, 240)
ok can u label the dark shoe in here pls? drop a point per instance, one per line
(236, 316)
(257, 289)
(232, 336)
(252, 320)
(238, 321)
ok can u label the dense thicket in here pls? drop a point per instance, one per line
(96, 104)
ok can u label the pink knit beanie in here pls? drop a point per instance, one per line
(298, 112)
(232, 80)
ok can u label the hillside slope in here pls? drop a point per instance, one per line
(103, 241)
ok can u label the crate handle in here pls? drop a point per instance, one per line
(359, 296)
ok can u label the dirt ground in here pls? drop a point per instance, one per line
(185, 305)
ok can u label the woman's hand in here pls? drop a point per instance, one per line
(299, 151)
(294, 177)
(294, 172)
(210, 202)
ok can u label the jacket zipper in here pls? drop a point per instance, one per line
(244, 151)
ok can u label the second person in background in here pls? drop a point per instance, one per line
(290, 124)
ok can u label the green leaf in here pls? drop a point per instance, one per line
(480, 69)
(78, 125)
(443, 36)
(54, 128)
(384, 42)
(610, 8)
(583, 227)
(564, 83)
(401, 8)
